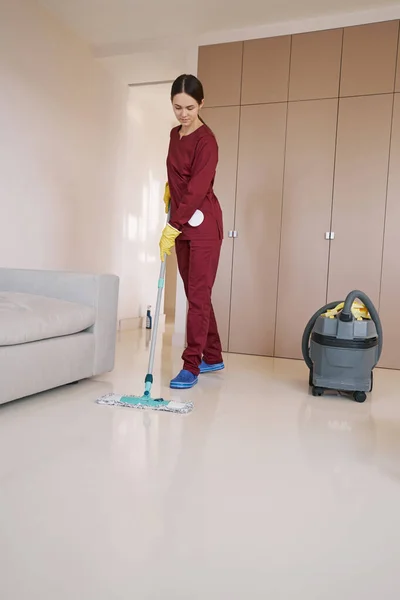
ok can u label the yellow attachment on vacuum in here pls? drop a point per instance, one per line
(358, 309)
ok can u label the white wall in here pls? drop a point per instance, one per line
(141, 212)
(157, 63)
(61, 135)
(82, 159)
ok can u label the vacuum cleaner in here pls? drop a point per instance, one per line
(341, 350)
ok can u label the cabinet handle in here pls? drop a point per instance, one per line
(330, 235)
(232, 234)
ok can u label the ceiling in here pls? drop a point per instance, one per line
(107, 24)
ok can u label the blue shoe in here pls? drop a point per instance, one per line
(205, 368)
(184, 381)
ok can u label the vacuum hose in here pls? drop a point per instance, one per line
(305, 342)
(346, 315)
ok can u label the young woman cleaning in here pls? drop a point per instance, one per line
(195, 227)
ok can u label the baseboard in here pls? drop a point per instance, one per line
(130, 324)
(135, 323)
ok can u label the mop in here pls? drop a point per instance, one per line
(146, 401)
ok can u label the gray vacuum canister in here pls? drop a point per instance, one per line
(342, 352)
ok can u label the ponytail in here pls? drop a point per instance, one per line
(204, 123)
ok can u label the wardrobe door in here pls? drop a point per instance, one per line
(258, 222)
(369, 59)
(307, 206)
(315, 65)
(397, 86)
(390, 291)
(266, 70)
(220, 71)
(360, 196)
(225, 124)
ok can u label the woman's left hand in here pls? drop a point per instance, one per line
(167, 198)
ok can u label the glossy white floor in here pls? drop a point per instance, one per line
(262, 492)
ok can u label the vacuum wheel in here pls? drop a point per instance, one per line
(360, 396)
(317, 391)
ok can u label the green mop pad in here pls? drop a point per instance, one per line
(146, 401)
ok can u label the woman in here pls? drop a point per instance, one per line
(195, 227)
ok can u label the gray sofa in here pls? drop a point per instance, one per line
(55, 328)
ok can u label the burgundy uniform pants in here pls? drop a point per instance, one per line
(198, 264)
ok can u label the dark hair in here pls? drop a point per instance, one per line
(190, 85)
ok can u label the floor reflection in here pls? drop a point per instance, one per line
(338, 435)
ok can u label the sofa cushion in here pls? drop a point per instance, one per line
(30, 318)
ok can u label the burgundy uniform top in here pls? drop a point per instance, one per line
(191, 163)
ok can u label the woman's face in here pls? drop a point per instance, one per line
(186, 109)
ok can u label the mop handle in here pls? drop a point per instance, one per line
(161, 283)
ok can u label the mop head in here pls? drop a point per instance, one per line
(146, 401)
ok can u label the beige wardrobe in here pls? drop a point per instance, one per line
(309, 180)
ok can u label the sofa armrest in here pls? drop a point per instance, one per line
(98, 291)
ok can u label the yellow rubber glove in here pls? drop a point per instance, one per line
(358, 309)
(167, 198)
(167, 240)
